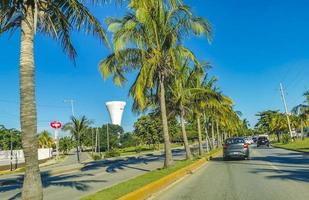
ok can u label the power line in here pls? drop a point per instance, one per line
(38, 105)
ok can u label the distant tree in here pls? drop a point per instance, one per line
(148, 129)
(77, 128)
(128, 140)
(8, 136)
(66, 144)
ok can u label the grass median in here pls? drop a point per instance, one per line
(298, 145)
(131, 185)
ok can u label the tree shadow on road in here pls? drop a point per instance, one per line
(47, 181)
(112, 166)
(284, 166)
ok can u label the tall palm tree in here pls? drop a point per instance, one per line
(148, 40)
(179, 94)
(77, 127)
(206, 96)
(57, 19)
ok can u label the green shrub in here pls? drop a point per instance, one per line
(286, 138)
(112, 153)
(96, 156)
(138, 149)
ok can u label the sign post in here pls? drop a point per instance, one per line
(56, 125)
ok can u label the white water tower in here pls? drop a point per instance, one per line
(115, 109)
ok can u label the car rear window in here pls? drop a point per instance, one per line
(234, 141)
(262, 138)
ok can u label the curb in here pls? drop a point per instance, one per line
(300, 151)
(156, 186)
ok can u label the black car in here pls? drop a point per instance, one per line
(262, 141)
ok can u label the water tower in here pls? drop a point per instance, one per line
(115, 109)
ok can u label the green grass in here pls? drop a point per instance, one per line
(144, 148)
(299, 145)
(131, 185)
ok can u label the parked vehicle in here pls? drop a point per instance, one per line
(262, 140)
(235, 148)
(249, 140)
(254, 138)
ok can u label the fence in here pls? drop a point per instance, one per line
(18, 156)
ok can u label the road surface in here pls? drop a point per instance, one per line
(272, 174)
(93, 177)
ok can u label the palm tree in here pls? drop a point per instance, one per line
(77, 127)
(302, 113)
(205, 97)
(179, 99)
(57, 19)
(148, 40)
(45, 141)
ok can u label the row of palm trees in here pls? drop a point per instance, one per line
(275, 122)
(149, 40)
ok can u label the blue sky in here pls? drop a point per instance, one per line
(256, 45)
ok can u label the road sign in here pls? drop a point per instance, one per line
(55, 125)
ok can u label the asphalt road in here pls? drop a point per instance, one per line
(92, 177)
(272, 174)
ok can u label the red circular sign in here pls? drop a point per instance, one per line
(55, 124)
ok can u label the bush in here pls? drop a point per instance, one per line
(96, 156)
(138, 149)
(286, 138)
(112, 153)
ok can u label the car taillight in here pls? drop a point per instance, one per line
(245, 145)
(225, 146)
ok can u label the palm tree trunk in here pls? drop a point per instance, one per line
(212, 133)
(206, 133)
(200, 144)
(218, 134)
(78, 148)
(302, 130)
(167, 146)
(32, 186)
(184, 135)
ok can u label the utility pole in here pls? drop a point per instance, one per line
(92, 141)
(286, 109)
(71, 101)
(107, 137)
(11, 151)
(99, 146)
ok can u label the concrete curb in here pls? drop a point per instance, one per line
(158, 185)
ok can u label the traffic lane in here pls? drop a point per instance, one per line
(93, 177)
(271, 174)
